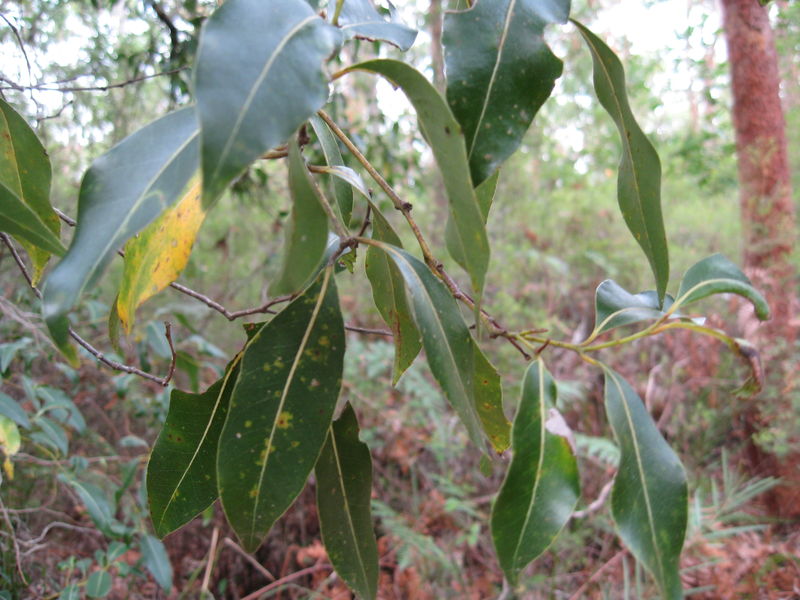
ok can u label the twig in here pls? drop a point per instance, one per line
(284, 580)
(257, 565)
(98, 88)
(17, 557)
(596, 575)
(367, 330)
(212, 552)
(112, 364)
(15, 31)
(597, 504)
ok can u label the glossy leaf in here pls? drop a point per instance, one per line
(717, 275)
(499, 73)
(639, 179)
(388, 292)
(25, 210)
(542, 486)
(306, 230)
(359, 18)
(280, 410)
(258, 78)
(489, 402)
(333, 157)
(615, 306)
(649, 500)
(468, 245)
(123, 192)
(157, 255)
(156, 560)
(344, 489)
(445, 337)
(181, 474)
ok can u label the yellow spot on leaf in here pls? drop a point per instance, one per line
(284, 420)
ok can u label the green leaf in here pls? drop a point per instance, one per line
(489, 402)
(123, 191)
(333, 157)
(54, 434)
(156, 561)
(258, 79)
(542, 486)
(95, 501)
(344, 489)
(181, 474)
(615, 307)
(639, 179)
(388, 292)
(9, 351)
(306, 231)
(98, 584)
(71, 592)
(499, 73)
(717, 275)
(445, 337)
(12, 409)
(25, 210)
(280, 410)
(468, 245)
(360, 19)
(649, 501)
(155, 257)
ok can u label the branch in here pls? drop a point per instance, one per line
(44, 87)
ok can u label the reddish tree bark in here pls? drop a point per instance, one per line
(768, 220)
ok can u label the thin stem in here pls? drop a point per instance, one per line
(98, 88)
(284, 580)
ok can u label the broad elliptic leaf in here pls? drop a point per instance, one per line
(156, 560)
(499, 73)
(124, 191)
(99, 584)
(489, 402)
(359, 18)
(342, 191)
(389, 294)
(258, 78)
(344, 489)
(181, 474)
(25, 210)
(717, 275)
(615, 306)
(649, 500)
(445, 337)
(306, 230)
(469, 245)
(280, 410)
(639, 179)
(155, 257)
(542, 485)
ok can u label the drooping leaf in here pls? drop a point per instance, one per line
(123, 191)
(359, 18)
(258, 78)
(10, 442)
(333, 156)
(306, 231)
(489, 402)
(344, 489)
(499, 73)
(348, 176)
(11, 409)
(156, 560)
(639, 179)
(649, 500)
(615, 306)
(388, 292)
(541, 486)
(25, 210)
(53, 435)
(280, 410)
(181, 474)
(445, 337)
(468, 245)
(717, 275)
(155, 257)
(94, 500)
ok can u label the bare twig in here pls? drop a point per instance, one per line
(596, 575)
(249, 558)
(212, 553)
(17, 557)
(45, 87)
(597, 504)
(284, 580)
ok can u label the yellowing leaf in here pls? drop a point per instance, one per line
(9, 443)
(156, 257)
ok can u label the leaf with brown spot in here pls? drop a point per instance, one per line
(156, 257)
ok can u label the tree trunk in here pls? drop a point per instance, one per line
(768, 220)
